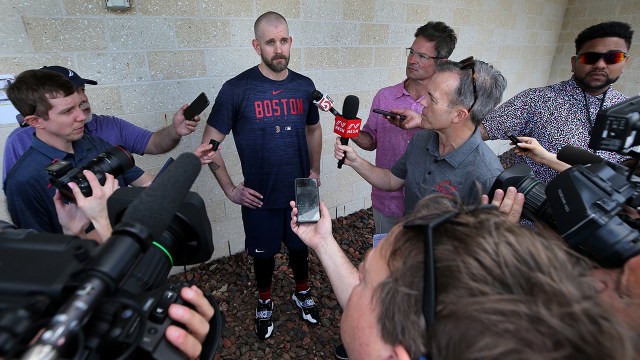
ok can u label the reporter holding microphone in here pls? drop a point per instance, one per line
(448, 156)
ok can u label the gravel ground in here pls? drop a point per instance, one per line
(232, 282)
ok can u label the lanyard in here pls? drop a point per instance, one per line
(588, 110)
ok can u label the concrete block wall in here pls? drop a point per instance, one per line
(581, 14)
(158, 55)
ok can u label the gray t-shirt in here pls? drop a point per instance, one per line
(425, 172)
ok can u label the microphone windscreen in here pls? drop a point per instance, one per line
(576, 156)
(155, 207)
(316, 95)
(350, 107)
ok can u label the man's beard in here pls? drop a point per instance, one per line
(594, 87)
(273, 66)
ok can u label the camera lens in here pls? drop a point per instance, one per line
(536, 207)
(114, 161)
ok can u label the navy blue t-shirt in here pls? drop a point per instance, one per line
(268, 119)
(29, 195)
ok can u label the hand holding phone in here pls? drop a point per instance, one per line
(196, 107)
(389, 114)
(515, 141)
(307, 200)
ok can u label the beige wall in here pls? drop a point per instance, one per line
(583, 13)
(160, 54)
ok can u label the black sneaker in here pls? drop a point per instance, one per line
(307, 306)
(341, 352)
(264, 325)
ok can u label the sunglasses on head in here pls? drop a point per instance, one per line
(466, 64)
(610, 57)
(428, 224)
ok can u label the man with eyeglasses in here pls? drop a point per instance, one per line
(448, 156)
(433, 42)
(564, 113)
(456, 282)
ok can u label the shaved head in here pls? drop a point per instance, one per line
(271, 18)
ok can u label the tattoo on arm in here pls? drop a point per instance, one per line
(213, 166)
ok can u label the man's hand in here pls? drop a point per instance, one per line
(346, 152)
(244, 196)
(413, 119)
(183, 126)
(72, 219)
(75, 218)
(205, 154)
(312, 234)
(510, 203)
(196, 321)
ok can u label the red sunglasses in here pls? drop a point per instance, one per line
(610, 57)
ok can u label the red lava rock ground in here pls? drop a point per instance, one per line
(232, 282)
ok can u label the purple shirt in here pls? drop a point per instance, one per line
(391, 143)
(114, 130)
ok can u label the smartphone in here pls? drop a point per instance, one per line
(389, 113)
(215, 144)
(196, 107)
(515, 141)
(307, 200)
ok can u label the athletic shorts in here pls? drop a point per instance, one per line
(266, 229)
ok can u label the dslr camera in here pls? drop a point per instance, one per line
(585, 203)
(115, 161)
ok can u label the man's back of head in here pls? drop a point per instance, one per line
(502, 292)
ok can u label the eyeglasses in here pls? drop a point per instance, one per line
(469, 63)
(610, 57)
(421, 57)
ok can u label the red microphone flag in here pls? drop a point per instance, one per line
(347, 128)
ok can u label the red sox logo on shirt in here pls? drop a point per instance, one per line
(446, 187)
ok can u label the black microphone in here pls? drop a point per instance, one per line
(350, 127)
(576, 156)
(156, 206)
(324, 102)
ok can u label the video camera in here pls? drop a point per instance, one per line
(108, 301)
(584, 203)
(114, 161)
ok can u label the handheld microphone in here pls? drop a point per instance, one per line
(576, 156)
(348, 126)
(324, 102)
